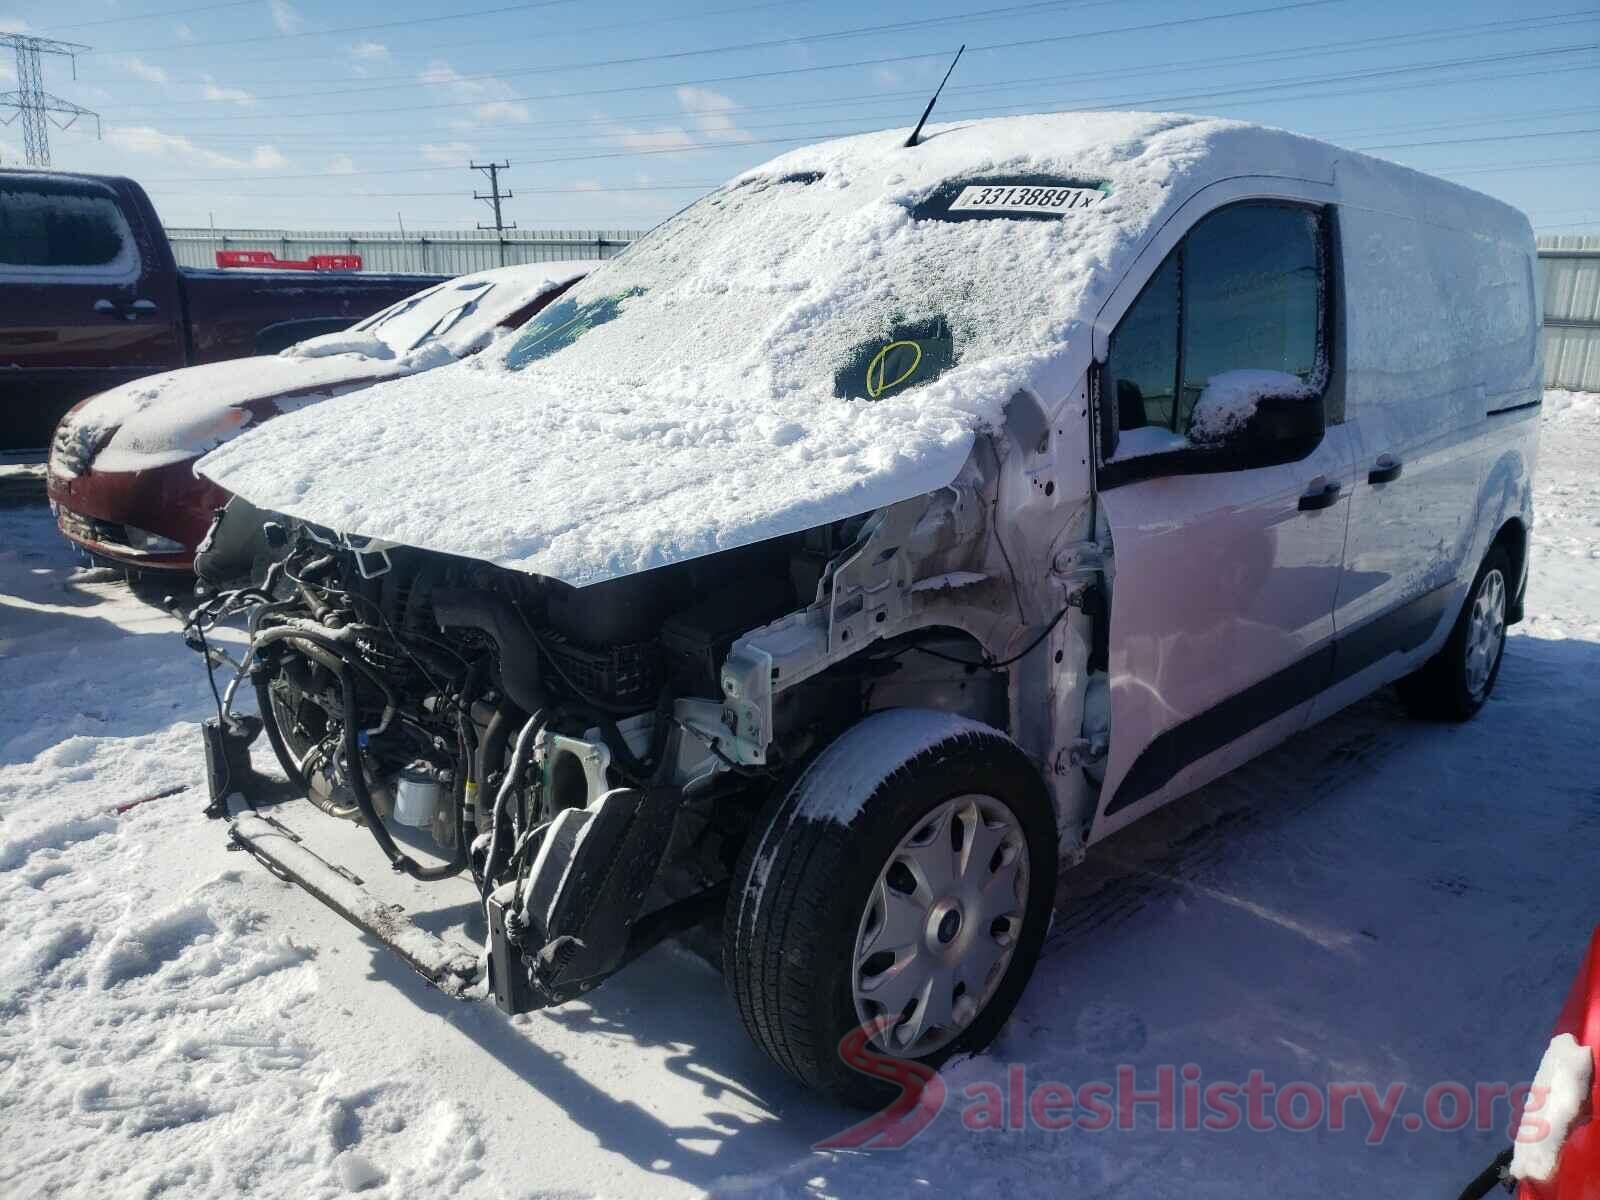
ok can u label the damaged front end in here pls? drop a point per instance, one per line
(594, 758)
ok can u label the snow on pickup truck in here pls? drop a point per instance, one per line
(874, 537)
(91, 297)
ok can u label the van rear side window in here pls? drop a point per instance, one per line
(1244, 291)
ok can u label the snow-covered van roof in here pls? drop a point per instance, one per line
(822, 336)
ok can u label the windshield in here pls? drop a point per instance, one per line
(429, 314)
(819, 281)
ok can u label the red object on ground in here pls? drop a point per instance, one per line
(1578, 1168)
(266, 260)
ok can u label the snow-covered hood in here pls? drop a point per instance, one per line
(178, 415)
(714, 386)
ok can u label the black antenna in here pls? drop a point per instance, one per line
(917, 132)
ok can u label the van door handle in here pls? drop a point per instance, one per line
(1321, 495)
(1385, 470)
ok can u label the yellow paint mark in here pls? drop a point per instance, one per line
(875, 369)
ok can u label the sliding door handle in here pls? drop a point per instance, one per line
(1321, 495)
(1385, 470)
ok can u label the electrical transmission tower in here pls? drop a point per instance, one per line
(37, 107)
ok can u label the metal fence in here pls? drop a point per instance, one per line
(1571, 268)
(424, 252)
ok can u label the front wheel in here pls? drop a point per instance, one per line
(902, 886)
(1454, 684)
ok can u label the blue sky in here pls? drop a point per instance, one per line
(360, 114)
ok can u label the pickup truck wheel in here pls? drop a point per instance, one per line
(1454, 684)
(902, 885)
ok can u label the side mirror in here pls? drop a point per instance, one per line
(1258, 430)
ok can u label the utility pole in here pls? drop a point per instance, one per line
(495, 196)
(37, 107)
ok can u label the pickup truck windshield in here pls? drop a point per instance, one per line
(805, 282)
(428, 314)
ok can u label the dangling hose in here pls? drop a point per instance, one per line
(339, 662)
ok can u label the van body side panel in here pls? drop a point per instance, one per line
(1442, 358)
(1221, 621)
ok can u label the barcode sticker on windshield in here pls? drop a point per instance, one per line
(1024, 198)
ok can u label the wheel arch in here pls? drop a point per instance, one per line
(1512, 536)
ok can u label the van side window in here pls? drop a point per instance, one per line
(1144, 354)
(1245, 290)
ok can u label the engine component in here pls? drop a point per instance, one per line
(416, 796)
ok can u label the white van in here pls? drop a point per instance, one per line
(884, 530)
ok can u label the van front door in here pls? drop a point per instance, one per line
(1227, 498)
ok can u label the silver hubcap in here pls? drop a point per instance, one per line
(1486, 632)
(941, 925)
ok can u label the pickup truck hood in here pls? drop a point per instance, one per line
(714, 386)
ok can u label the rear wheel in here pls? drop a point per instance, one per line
(1454, 684)
(904, 885)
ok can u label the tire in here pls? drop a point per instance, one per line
(810, 900)
(1455, 683)
(289, 758)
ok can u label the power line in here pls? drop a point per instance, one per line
(1505, 137)
(988, 14)
(1528, 24)
(167, 12)
(1363, 74)
(434, 46)
(936, 54)
(367, 28)
(704, 186)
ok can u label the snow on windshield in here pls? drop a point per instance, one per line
(406, 325)
(714, 385)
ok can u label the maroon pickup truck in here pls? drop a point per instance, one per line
(91, 297)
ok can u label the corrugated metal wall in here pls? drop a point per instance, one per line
(426, 252)
(1571, 267)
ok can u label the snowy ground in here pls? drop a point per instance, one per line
(1378, 901)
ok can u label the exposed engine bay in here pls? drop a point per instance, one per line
(593, 757)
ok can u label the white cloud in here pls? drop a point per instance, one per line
(144, 139)
(710, 120)
(183, 32)
(14, 25)
(503, 110)
(446, 154)
(884, 77)
(140, 69)
(285, 16)
(226, 95)
(711, 112)
(6, 73)
(668, 137)
(370, 51)
(341, 164)
(493, 100)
